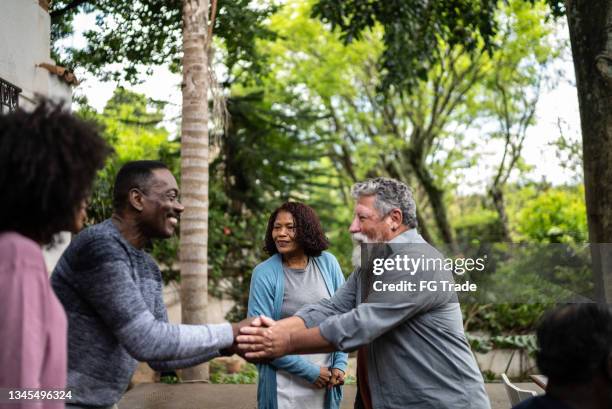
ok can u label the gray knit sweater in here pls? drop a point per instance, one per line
(112, 293)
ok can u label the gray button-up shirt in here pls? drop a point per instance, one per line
(418, 356)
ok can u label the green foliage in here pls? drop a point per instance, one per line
(264, 160)
(418, 138)
(503, 318)
(144, 33)
(478, 226)
(526, 343)
(414, 31)
(218, 374)
(555, 216)
(169, 379)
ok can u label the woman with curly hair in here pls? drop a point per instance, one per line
(48, 161)
(298, 272)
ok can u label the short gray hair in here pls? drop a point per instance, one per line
(390, 194)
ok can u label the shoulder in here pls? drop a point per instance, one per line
(17, 251)
(101, 238)
(93, 247)
(327, 257)
(266, 269)
(13, 245)
(328, 260)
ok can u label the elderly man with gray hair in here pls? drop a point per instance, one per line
(412, 351)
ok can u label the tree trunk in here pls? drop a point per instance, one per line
(590, 27)
(436, 200)
(422, 228)
(497, 195)
(194, 173)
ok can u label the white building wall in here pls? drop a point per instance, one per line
(24, 43)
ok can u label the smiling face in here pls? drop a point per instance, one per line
(161, 208)
(369, 222)
(284, 234)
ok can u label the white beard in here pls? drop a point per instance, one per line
(357, 238)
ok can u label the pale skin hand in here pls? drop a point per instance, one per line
(274, 339)
(268, 338)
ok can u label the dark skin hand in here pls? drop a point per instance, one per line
(337, 378)
(323, 379)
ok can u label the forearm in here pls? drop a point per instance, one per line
(291, 324)
(182, 363)
(298, 366)
(171, 342)
(308, 341)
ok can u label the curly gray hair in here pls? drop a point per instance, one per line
(390, 194)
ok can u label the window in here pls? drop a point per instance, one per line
(9, 96)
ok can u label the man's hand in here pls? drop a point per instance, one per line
(323, 379)
(233, 349)
(265, 341)
(337, 377)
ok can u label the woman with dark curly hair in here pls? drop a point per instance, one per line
(299, 272)
(48, 160)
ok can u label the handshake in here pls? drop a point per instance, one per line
(261, 339)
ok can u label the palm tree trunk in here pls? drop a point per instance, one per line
(194, 173)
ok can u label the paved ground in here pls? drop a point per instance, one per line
(207, 396)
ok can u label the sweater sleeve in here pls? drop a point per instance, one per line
(105, 279)
(182, 363)
(261, 302)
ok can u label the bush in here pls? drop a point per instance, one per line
(218, 374)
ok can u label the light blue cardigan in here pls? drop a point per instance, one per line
(266, 298)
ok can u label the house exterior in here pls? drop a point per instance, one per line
(27, 71)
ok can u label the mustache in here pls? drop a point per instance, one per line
(359, 238)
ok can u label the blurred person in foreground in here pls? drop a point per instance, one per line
(412, 350)
(298, 272)
(48, 161)
(111, 289)
(575, 354)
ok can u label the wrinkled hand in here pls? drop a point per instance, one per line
(264, 341)
(233, 349)
(337, 377)
(323, 379)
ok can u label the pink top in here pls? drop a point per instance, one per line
(33, 324)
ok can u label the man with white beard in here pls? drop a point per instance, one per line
(358, 239)
(412, 351)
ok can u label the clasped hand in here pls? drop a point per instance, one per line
(263, 339)
(329, 377)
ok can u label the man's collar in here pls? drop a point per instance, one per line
(409, 236)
